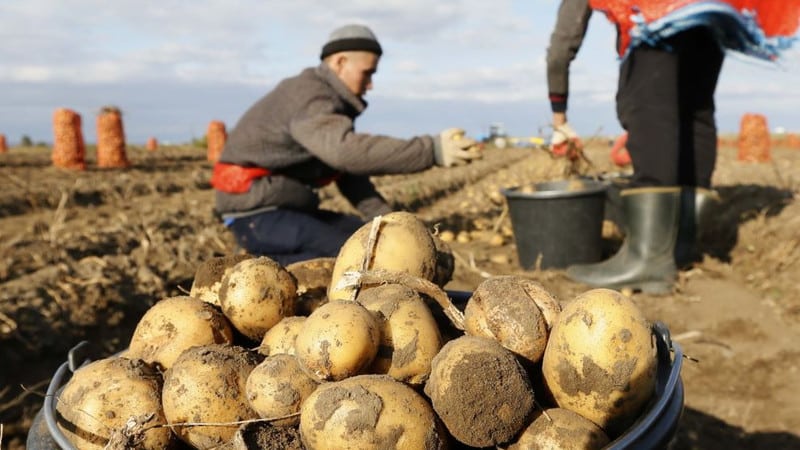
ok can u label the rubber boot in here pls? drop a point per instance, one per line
(646, 259)
(697, 206)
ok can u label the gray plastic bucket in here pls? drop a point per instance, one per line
(559, 225)
(654, 429)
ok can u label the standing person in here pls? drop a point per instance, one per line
(672, 54)
(300, 137)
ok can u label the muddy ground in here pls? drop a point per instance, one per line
(84, 254)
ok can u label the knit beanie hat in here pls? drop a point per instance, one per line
(351, 38)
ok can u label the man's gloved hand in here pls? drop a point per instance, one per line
(451, 148)
(563, 138)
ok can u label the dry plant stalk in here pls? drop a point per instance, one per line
(69, 151)
(3, 144)
(215, 139)
(111, 139)
(754, 139)
(152, 144)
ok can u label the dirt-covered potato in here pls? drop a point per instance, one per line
(264, 436)
(480, 391)
(256, 294)
(367, 412)
(207, 385)
(600, 361)
(277, 387)
(338, 340)
(101, 398)
(174, 324)
(209, 274)
(313, 278)
(560, 429)
(281, 337)
(410, 336)
(515, 311)
(402, 244)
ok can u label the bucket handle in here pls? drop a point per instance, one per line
(77, 356)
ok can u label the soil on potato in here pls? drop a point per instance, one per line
(84, 254)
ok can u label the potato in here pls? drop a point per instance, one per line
(256, 294)
(209, 274)
(207, 384)
(600, 361)
(402, 244)
(367, 412)
(102, 396)
(277, 387)
(281, 337)
(174, 324)
(515, 311)
(313, 278)
(410, 336)
(338, 340)
(480, 391)
(264, 436)
(561, 429)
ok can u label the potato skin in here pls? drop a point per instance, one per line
(561, 429)
(256, 294)
(102, 395)
(280, 338)
(338, 340)
(403, 245)
(480, 391)
(277, 387)
(410, 336)
(313, 278)
(600, 361)
(515, 311)
(174, 324)
(368, 412)
(209, 274)
(208, 384)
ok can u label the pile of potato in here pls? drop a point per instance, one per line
(366, 351)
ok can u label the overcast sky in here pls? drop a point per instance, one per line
(172, 66)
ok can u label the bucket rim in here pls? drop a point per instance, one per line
(591, 188)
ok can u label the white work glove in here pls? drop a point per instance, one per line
(452, 148)
(563, 135)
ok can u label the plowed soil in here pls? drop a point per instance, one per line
(84, 254)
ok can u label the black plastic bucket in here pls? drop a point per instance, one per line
(654, 429)
(560, 225)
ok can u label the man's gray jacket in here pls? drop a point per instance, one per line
(302, 132)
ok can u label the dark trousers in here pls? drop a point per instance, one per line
(288, 236)
(665, 100)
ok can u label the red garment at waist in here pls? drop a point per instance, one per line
(235, 179)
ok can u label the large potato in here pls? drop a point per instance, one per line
(338, 340)
(277, 387)
(403, 244)
(256, 294)
(368, 412)
(480, 391)
(207, 385)
(209, 274)
(280, 338)
(410, 336)
(515, 311)
(561, 429)
(101, 397)
(600, 361)
(313, 278)
(173, 325)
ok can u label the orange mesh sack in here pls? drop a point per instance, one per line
(111, 139)
(793, 141)
(3, 144)
(754, 140)
(215, 139)
(69, 151)
(152, 144)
